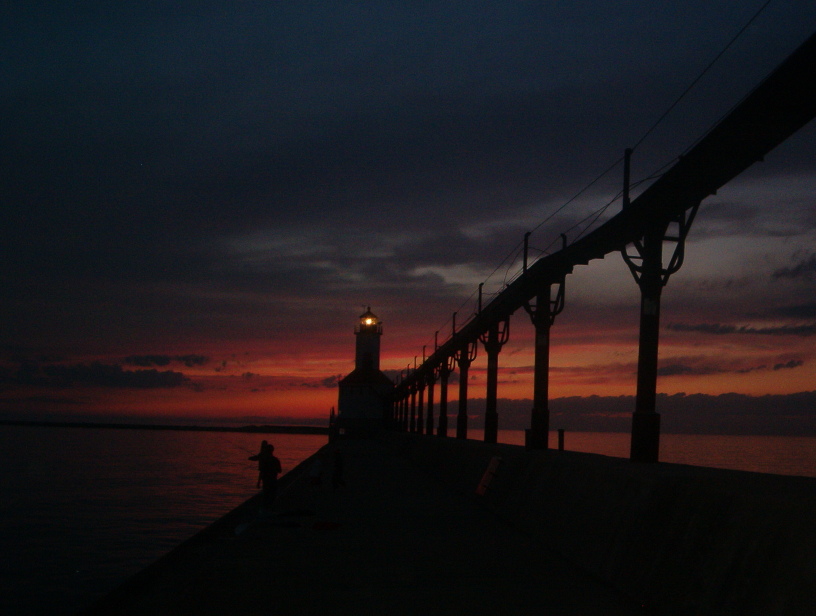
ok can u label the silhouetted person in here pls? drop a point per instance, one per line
(337, 471)
(269, 467)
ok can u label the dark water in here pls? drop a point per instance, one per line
(82, 509)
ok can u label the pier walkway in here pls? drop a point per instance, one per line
(393, 540)
(556, 532)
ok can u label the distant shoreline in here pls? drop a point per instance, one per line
(129, 426)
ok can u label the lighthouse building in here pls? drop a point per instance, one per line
(365, 396)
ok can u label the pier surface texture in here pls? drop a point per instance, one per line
(555, 533)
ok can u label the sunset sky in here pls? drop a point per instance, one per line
(200, 198)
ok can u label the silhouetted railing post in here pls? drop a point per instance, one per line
(445, 370)
(646, 421)
(429, 425)
(464, 357)
(649, 272)
(406, 394)
(540, 416)
(461, 415)
(543, 316)
(496, 337)
(420, 424)
(412, 426)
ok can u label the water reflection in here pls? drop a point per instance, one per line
(82, 509)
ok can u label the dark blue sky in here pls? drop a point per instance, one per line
(181, 175)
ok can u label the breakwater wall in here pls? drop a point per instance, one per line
(677, 539)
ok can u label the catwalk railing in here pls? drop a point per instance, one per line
(776, 109)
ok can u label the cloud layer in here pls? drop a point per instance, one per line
(191, 182)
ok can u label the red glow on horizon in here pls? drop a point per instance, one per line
(273, 380)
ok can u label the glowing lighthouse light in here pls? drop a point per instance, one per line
(369, 322)
(368, 332)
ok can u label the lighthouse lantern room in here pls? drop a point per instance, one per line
(368, 332)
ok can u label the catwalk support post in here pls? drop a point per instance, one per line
(542, 315)
(493, 340)
(651, 275)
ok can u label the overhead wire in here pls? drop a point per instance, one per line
(659, 120)
(701, 75)
(595, 215)
(578, 194)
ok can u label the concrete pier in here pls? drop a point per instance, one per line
(554, 533)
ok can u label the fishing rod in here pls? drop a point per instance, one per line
(244, 449)
(241, 447)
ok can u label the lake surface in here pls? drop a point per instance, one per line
(83, 509)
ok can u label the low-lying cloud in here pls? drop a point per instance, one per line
(95, 374)
(804, 269)
(146, 361)
(718, 329)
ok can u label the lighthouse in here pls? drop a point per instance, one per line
(368, 332)
(365, 394)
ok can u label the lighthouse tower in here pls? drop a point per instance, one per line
(368, 332)
(365, 393)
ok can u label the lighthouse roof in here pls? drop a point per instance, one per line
(363, 376)
(368, 314)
